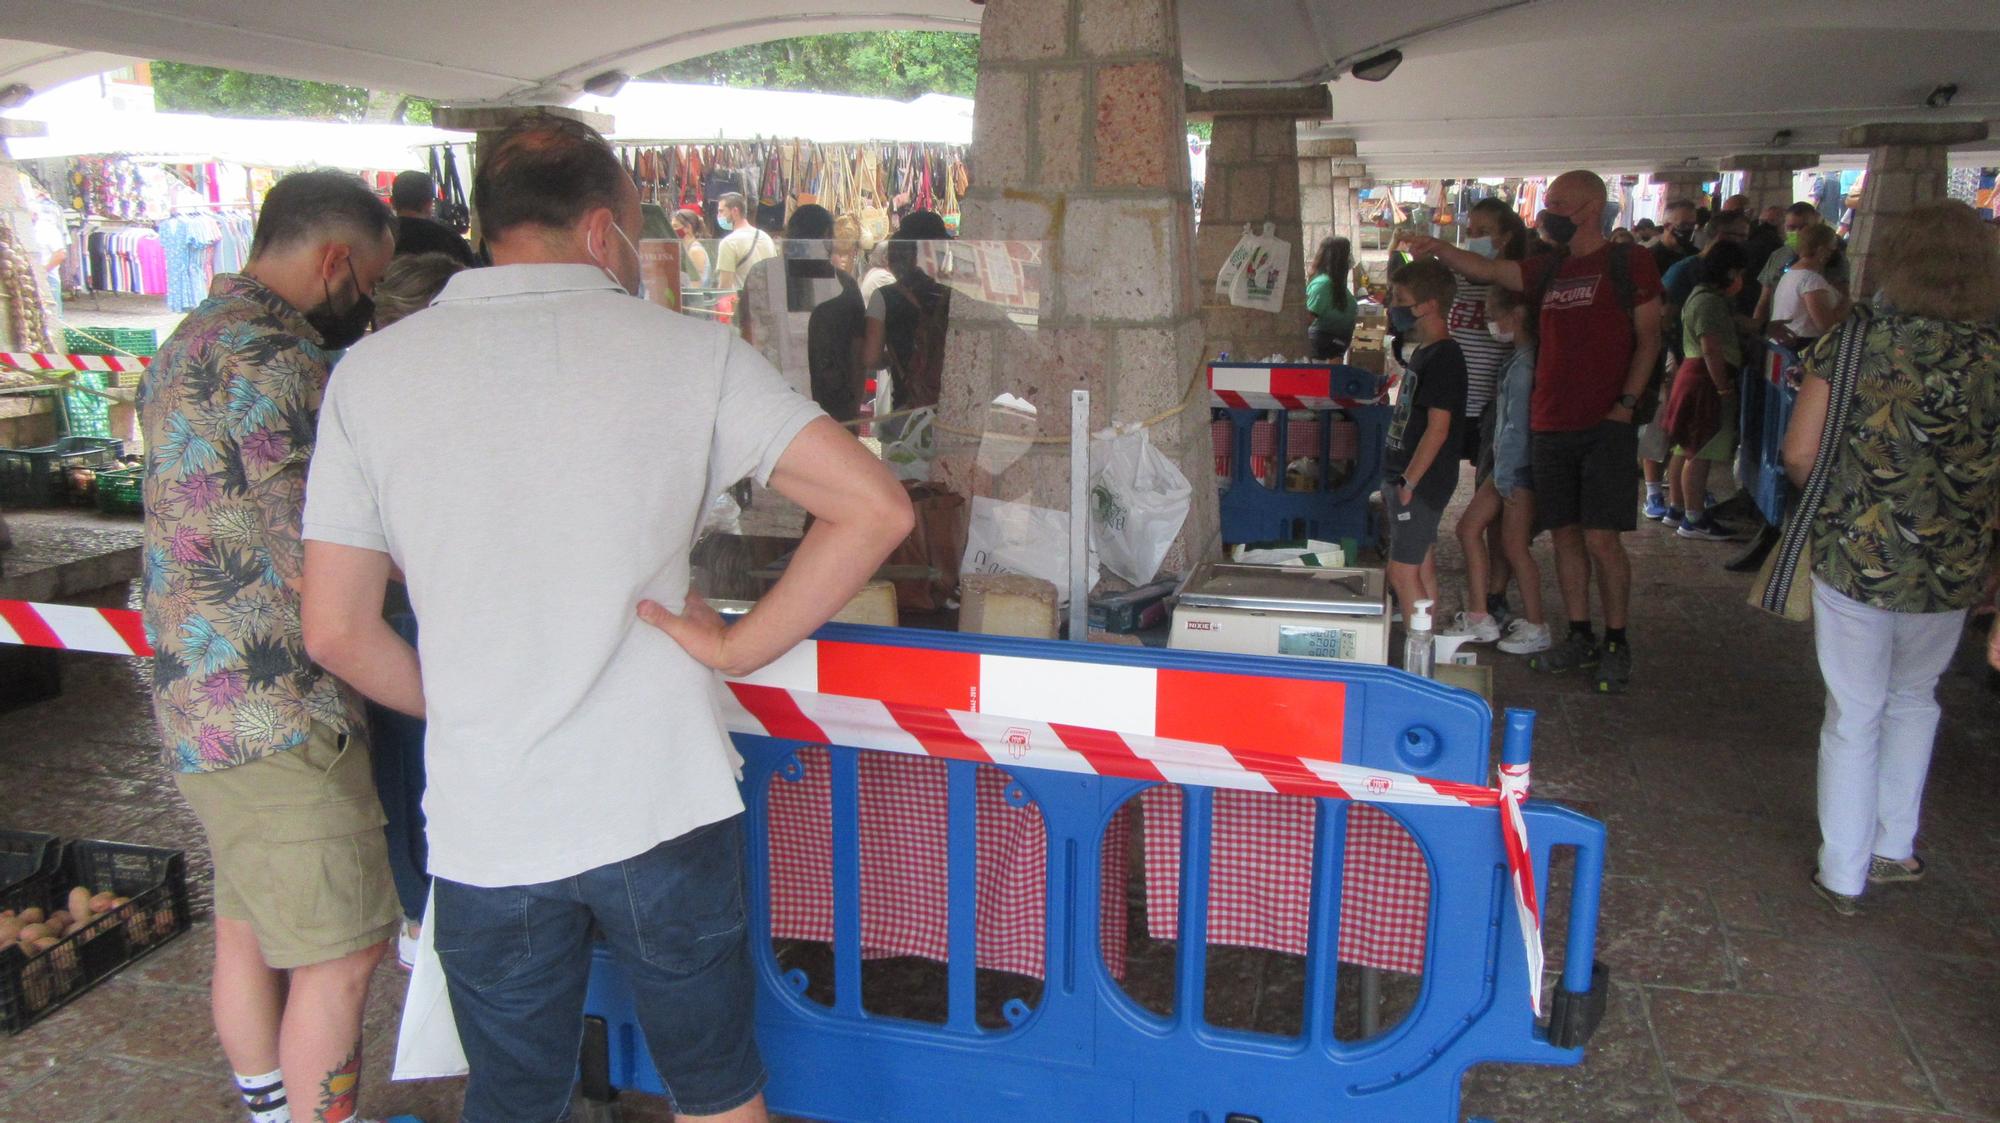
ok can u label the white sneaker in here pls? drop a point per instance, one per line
(1485, 630)
(406, 945)
(1524, 638)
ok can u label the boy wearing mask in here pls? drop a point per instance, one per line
(1426, 431)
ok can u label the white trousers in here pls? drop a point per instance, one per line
(1881, 671)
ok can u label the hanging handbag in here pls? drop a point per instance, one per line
(1784, 585)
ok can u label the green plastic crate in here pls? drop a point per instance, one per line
(122, 491)
(113, 341)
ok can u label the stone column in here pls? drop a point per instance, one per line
(1079, 138)
(487, 121)
(1253, 179)
(1906, 169)
(1683, 182)
(1767, 177)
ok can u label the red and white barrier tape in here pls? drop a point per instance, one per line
(919, 729)
(1278, 387)
(45, 361)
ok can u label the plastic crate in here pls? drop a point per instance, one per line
(26, 857)
(37, 477)
(122, 491)
(113, 341)
(156, 881)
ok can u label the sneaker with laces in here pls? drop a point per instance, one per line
(1573, 652)
(1704, 529)
(1674, 516)
(1656, 507)
(1614, 667)
(1483, 630)
(1524, 638)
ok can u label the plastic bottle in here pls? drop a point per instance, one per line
(1417, 648)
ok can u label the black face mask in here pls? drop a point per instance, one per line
(1684, 233)
(1559, 227)
(341, 330)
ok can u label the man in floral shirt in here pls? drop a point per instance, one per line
(268, 749)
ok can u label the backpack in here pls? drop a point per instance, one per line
(918, 378)
(1619, 269)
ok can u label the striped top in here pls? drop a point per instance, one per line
(1484, 355)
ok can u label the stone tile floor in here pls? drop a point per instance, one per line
(1738, 997)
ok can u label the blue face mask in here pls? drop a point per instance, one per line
(722, 222)
(1402, 319)
(1484, 247)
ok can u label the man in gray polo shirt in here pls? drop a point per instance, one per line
(535, 452)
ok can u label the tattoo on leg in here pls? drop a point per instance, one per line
(340, 1092)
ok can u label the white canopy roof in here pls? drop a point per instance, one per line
(1532, 84)
(188, 137)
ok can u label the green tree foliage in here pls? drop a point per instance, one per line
(235, 93)
(896, 64)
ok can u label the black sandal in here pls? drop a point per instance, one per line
(1882, 871)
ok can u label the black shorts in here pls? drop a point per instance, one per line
(1479, 445)
(1588, 478)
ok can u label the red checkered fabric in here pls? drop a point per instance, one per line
(1344, 441)
(1261, 870)
(904, 864)
(1263, 439)
(1260, 878)
(1302, 437)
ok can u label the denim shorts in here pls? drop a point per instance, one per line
(517, 961)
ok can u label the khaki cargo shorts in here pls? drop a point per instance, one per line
(298, 848)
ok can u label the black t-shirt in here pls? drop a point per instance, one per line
(1434, 378)
(426, 235)
(1664, 256)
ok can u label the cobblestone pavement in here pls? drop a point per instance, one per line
(1738, 996)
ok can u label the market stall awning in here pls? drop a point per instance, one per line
(191, 138)
(1541, 83)
(679, 111)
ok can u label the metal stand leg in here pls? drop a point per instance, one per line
(600, 1100)
(1371, 1002)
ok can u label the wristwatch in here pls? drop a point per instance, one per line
(1628, 401)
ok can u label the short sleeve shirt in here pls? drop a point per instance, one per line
(1707, 313)
(1586, 337)
(1434, 378)
(563, 734)
(228, 409)
(1916, 481)
(1788, 302)
(745, 246)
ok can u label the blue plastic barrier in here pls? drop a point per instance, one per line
(1769, 385)
(1253, 511)
(1087, 1051)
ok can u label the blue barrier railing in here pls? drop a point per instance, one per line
(1253, 511)
(1770, 386)
(1085, 1049)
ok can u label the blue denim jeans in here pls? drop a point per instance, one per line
(517, 961)
(396, 746)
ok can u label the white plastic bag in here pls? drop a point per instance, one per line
(1261, 282)
(1138, 501)
(1008, 536)
(427, 1045)
(909, 454)
(1233, 265)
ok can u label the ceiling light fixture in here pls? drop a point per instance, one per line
(1374, 68)
(16, 95)
(1781, 138)
(1941, 97)
(606, 84)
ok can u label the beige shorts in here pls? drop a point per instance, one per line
(299, 853)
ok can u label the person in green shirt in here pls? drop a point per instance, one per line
(1700, 416)
(1329, 300)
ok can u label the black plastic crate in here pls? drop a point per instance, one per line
(28, 860)
(154, 879)
(38, 477)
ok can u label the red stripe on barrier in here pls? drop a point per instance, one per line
(778, 712)
(29, 625)
(911, 676)
(937, 733)
(1301, 382)
(1265, 715)
(131, 628)
(1231, 399)
(1107, 749)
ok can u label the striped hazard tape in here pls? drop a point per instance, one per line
(1211, 729)
(44, 361)
(1277, 386)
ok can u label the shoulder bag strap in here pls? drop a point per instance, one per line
(1839, 403)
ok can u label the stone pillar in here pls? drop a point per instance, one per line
(1684, 182)
(1906, 169)
(1079, 138)
(1767, 177)
(1253, 179)
(487, 121)
(1330, 181)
